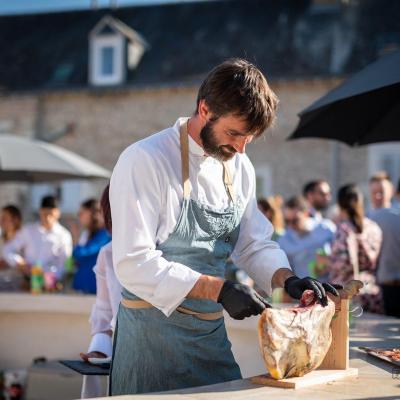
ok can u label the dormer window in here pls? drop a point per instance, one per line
(107, 56)
(114, 48)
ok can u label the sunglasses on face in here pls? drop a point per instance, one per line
(324, 194)
(291, 221)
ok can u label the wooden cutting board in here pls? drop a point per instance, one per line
(317, 377)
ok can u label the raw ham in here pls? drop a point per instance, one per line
(394, 354)
(294, 341)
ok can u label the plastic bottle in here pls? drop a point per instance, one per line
(37, 279)
(314, 269)
(69, 268)
(50, 279)
(69, 265)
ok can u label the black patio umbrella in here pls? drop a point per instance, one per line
(364, 109)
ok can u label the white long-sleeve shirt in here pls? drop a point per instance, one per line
(108, 297)
(146, 196)
(36, 244)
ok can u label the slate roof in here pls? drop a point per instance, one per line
(285, 38)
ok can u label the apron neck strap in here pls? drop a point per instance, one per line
(184, 140)
(228, 182)
(184, 137)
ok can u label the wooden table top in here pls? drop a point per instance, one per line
(377, 379)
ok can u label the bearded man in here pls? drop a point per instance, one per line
(183, 202)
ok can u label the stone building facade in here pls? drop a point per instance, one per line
(304, 47)
(107, 122)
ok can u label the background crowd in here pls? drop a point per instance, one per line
(331, 242)
(44, 255)
(344, 241)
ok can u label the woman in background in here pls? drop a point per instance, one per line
(108, 297)
(10, 224)
(85, 254)
(355, 248)
(271, 207)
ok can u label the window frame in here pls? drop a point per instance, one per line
(116, 41)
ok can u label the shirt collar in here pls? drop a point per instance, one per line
(42, 229)
(194, 148)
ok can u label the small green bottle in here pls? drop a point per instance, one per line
(69, 266)
(314, 269)
(37, 279)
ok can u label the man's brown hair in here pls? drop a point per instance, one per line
(310, 187)
(379, 177)
(239, 88)
(296, 202)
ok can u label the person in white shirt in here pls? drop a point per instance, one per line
(108, 297)
(183, 201)
(46, 242)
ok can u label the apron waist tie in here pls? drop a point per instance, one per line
(144, 304)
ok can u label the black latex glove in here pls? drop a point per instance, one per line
(295, 287)
(241, 301)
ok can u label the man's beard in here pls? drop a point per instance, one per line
(212, 147)
(321, 206)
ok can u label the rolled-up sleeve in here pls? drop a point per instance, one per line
(101, 342)
(136, 204)
(255, 252)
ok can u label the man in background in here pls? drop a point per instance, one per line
(318, 196)
(381, 191)
(388, 219)
(45, 242)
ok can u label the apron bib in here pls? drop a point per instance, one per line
(153, 352)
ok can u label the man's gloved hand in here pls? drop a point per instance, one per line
(295, 287)
(241, 301)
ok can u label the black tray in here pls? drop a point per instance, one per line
(374, 352)
(85, 368)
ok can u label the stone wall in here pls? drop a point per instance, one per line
(106, 121)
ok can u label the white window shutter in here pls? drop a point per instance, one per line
(135, 53)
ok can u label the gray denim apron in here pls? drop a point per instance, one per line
(153, 352)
